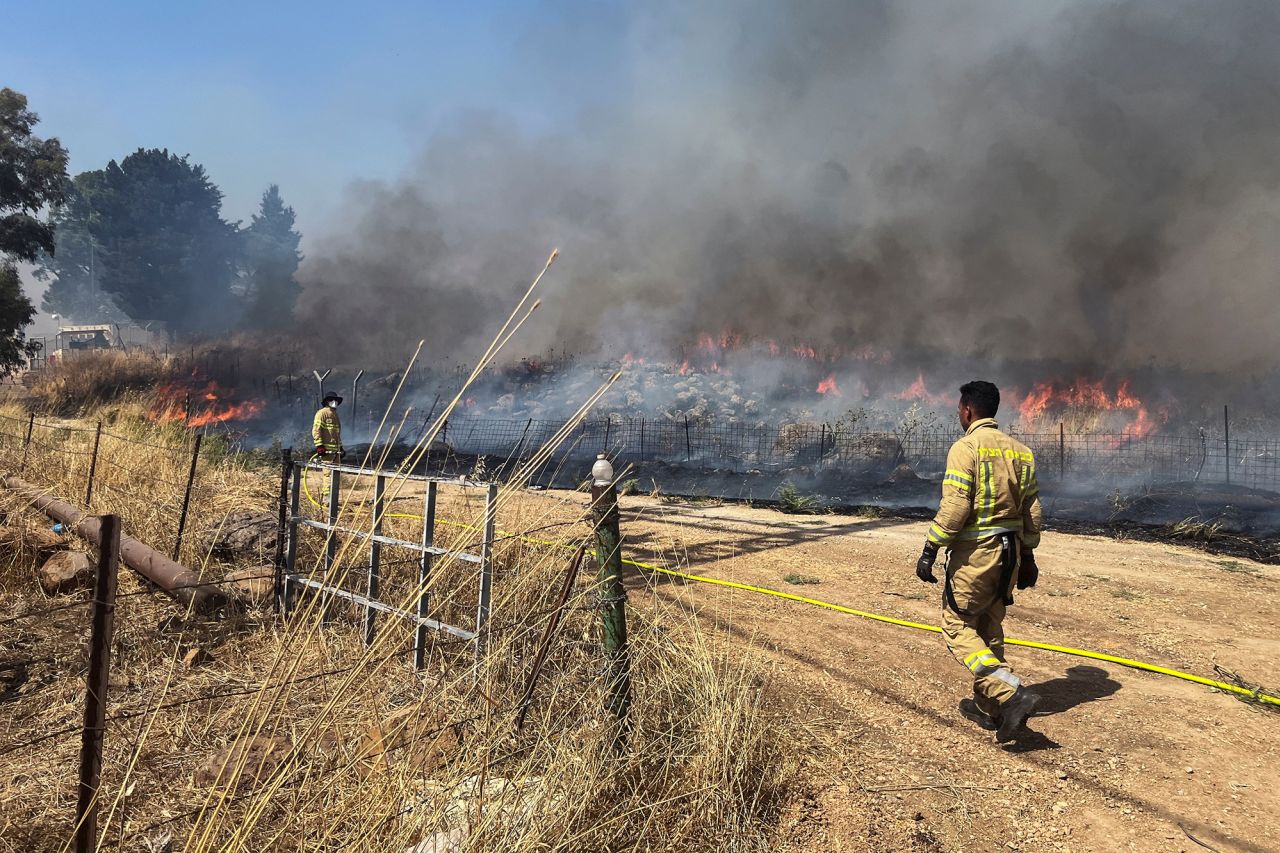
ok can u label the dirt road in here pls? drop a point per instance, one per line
(1118, 759)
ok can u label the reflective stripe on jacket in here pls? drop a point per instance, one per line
(326, 430)
(989, 488)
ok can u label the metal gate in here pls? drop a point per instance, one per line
(292, 582)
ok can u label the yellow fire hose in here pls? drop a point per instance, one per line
(1256, 695)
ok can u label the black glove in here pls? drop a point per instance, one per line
(319, 450)
(1029, 572)
(924, 566)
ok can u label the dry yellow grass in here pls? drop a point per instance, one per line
(707, 767)
(98, 377)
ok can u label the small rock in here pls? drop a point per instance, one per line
(254, 585)
(162, 843)
(431, 742)
(450, 841)
(37, 544)
(66, 571)
(1059, 807)
(256, 758)
(247, 532)
(196, 657)
(1191, 770)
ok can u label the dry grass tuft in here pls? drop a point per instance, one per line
(97, 377)
(261, 739)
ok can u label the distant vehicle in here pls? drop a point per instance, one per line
(74, 340)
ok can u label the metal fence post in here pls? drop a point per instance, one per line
(1226, 441)
(320, 377)
(93, 466)
(604, 509)
(26, 445)
(688, 446)
(296, 472)
(520, 446)
(1062, 450)
(375, 558)
(186, 498)
(486, 568)
(544, 644)
(424, 574)
(95, 704)
(283, 527)
(355, 397)
(335, 505)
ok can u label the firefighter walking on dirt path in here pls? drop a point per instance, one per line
(989, 522)
(326, 430)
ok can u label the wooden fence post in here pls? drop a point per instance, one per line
(95, 705)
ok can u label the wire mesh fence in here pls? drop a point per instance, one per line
(1097, 457)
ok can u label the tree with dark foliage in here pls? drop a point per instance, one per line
(33, 174)
(167, 254)
(74, 270)
(271, 260)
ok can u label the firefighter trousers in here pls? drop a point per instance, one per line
(329, 457)
(975, 634)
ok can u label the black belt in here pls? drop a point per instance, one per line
(1008, 562)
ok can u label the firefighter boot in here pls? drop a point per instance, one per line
(970, 711)
(1014, 714)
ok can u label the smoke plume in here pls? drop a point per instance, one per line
(1089, 182)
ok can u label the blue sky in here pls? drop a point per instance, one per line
(306, 95)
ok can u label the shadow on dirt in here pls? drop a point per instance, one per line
(1081, 684)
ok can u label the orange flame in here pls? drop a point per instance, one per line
(200, 406)
(222, 414)
(918, 391)
(1093, 395)
(828, 387)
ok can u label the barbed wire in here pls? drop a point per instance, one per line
(58, 448)
(168, 448)
(139, 475)
(45, 611)
(208, 697)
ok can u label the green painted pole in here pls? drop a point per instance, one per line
(604, 507)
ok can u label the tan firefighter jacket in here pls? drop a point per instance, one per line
(989, 488)
(326, 430)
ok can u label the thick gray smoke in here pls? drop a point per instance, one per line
(1093, 182)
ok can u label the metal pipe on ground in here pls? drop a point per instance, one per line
(174, 578)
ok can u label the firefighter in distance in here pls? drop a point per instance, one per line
(989, 521)
(326, 430)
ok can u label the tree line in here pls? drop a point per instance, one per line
(142, 239)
